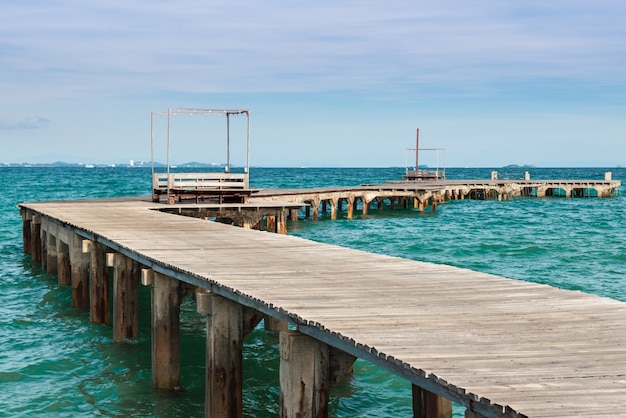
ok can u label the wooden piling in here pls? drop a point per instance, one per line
(272, 324)
(26, 232)
(126, 276)
(165, 314)
(79, 262)
(63, 264)
(51, 254)
(224, 358)
(428, 405)
(98, 284)
(304, 376)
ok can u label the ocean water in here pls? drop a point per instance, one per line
(54, 362)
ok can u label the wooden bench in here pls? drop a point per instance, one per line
(229, 187)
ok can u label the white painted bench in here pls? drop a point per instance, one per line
(229, 186)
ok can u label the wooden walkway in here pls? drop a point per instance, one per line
(500, 347)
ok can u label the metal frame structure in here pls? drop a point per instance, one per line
(192, 112)
(417, 149)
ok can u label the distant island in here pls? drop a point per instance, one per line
(131, 163)
(519, 166)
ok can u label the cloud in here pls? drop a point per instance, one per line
(25, 124)
(285, 46)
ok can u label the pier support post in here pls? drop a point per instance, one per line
(98, 284)
(351, 204)
(273, 324)
(315, 207)
(366, 205)
(166, 300)
(63, 264)
(26, 230)
(293, 215)
(79, 262)
(281, 222)
(333, 209)
(35, 235)
(51, 254)
(126, 276)
(379, 202)
(228, 323)
(428, 405)
(271, 223)
(304, 376)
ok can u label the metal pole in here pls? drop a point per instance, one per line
(248, 158)
(169, 113)
(152, 142)
(417, 147)
(227, 142)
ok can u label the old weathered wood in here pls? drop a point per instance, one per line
(51, 254)
(501, 347)
(126, 277)
(224, 361)
(80, 272)
(99, 297)
(428, 405)
(304, 376)
(63, 264)
(274, 324)
(165, 312)
(26, 235)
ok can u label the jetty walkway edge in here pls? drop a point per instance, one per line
(499, 347)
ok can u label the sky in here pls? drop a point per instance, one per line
(327, 83)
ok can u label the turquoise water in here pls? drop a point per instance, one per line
(54, 362)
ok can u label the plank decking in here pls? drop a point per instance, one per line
(509, 345)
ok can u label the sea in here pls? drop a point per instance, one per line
(55, 363)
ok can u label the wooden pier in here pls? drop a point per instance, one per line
(422, 194)
(498, 347)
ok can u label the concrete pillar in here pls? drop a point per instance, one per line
(304, 376)
(281, 222)
(126, 277)
(63, 264)
(79, 262)
(379, 202)
(351, 204)
(392, 203)
(271, 223)
(35, 238)
(315, 208)
(165, 314)
(293, 215)
(428, 405)
(98, 284)
(366, 205)
(333, 209)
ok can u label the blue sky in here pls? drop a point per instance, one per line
(328, 83)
